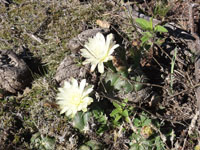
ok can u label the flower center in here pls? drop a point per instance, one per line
(75, 99)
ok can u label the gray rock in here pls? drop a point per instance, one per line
(77, 42)
(14, 73)
(69, 68)
(136, 96)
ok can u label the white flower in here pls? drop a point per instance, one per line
(98, 50)
(73, 98)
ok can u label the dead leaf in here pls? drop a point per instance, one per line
(103, 24)
(118, 63)
(51, 105)
(1, 96)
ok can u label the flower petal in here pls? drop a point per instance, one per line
(89, 100)
(74, 83)
(82, 85)
(100, 37)
(93, 67)
(74, 112)
(85, 53)
(101, 67)
(74, 98)
(87, 91)
(98, 50)
(69, 112)
(113, 48)
(66, 85)
(84, 110)
(109, 39)
(64, 110)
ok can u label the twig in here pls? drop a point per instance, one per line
(131, 124)
(195, 86)
(162, 136)
(35, 38)
(164, 51)
(191, 127)
(191, 19)
(184, 143)
(193, 122)
(172, 69)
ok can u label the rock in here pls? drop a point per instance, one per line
(69, 68)
(14, 73)
(77, 42)
(136, 96)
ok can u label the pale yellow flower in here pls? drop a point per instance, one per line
(73, 98)
(98, 50)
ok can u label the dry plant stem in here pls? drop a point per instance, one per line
(168, 54)
(164, 51)
(158, 63)
(112, 27)
(193, 122)
(191, 127)
(163, 137)
(118, 134)
(129, 9)
(135, 14)
(197, 45)
(191, 19)
(158, 116)
(184, 143)
(131, 124)
(148, 6)
(195, 86)
(35, 38)
(187, 75)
